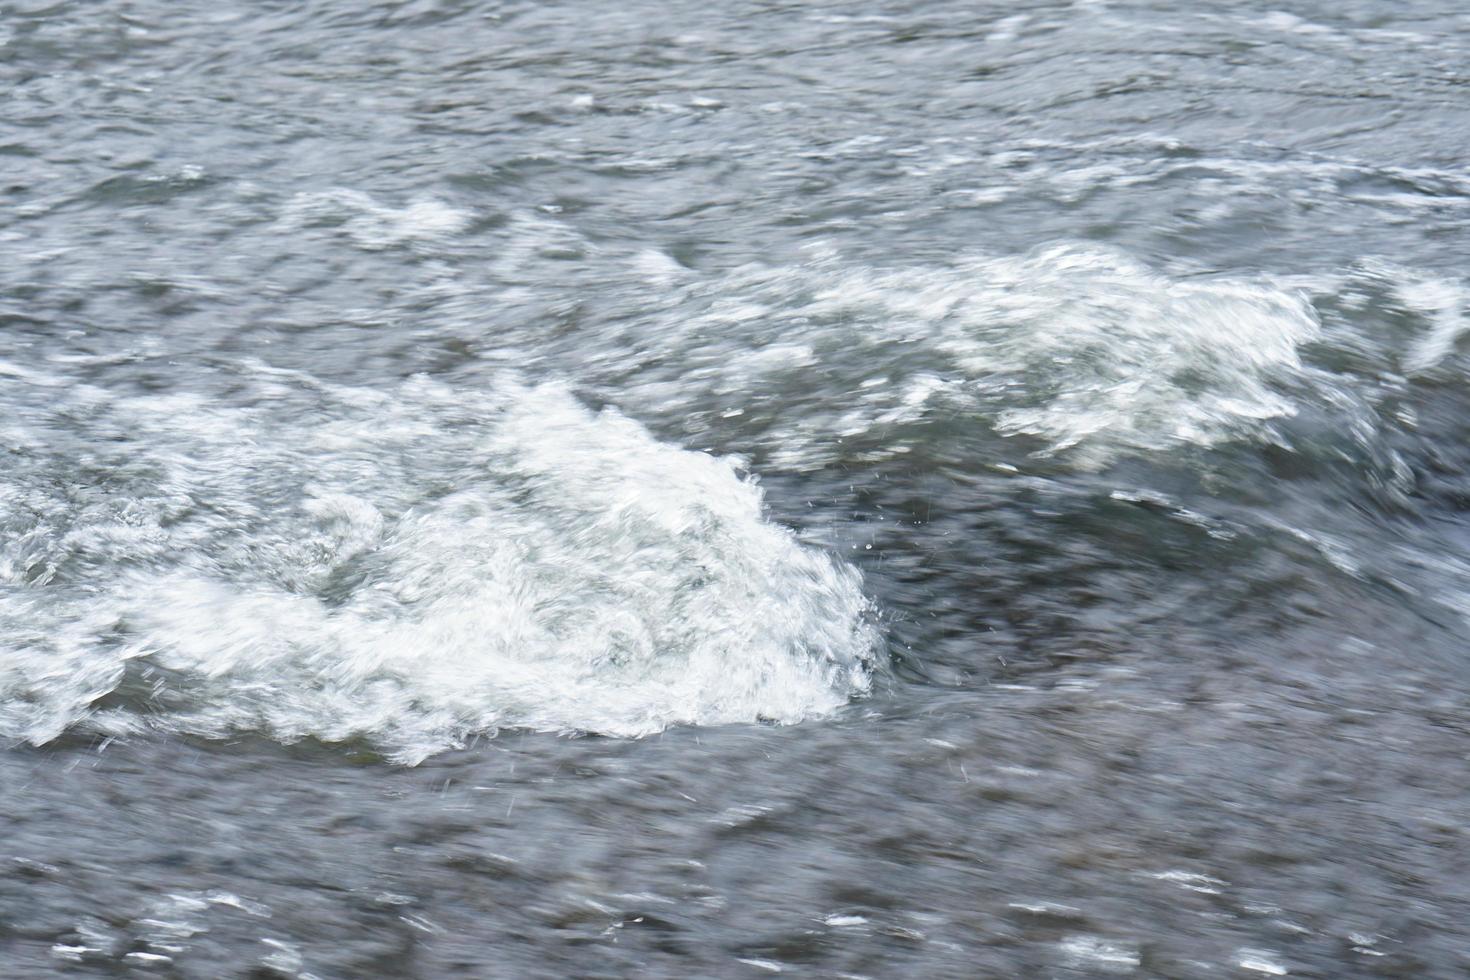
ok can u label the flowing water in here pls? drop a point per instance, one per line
(905, 489)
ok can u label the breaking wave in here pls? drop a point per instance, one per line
(408, 567)
(1084, 351)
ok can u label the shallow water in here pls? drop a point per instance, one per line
(930, 489)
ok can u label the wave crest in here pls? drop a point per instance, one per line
(411, 568)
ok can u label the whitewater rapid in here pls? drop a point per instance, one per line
(414, 565)
(407, 567)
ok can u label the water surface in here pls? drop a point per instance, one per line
(907, 489)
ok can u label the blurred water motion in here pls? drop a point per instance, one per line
(917, 489)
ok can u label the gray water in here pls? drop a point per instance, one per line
(878, 490)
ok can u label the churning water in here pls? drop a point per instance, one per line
(894, 489)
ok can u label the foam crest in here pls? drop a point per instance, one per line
(407, 567)
(374, 226)
(1080, 348)
(1109, 356)
(1446, 303)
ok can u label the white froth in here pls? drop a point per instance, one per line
(1110, 356)
(1447, 305)
(1080, 348)
(374, 226)
(410, 568)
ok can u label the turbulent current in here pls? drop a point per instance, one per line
(407, 566)
(904, 489)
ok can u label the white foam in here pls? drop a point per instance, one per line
(374, 226)
(1082, 348)
(1101, 954)
(1447, 305)
(1261, 961)
(410, 567)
